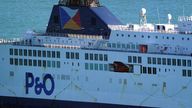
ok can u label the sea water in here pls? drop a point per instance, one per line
(19, 16)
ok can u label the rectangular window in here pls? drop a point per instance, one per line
(189, 73)
(16, 52)
(30, 62)
(34, 62)
(144, 70)
(168, 61)
(20, 52)
(174, 62)
(39, 53)
(86, 66)
(189, 63)
(96, 57)
(139, 60)
(113, 45)
(184, 73)
(109, 45)
(134, 59)
(149, 70)
(29, 52)
(11, 61)
(123, 46)
(184, 62)
(86, 56)
(44, 53)
(25, 62)
(58, 64)
(11, 51)
(96, 66)
(16, 61)
(25, 52)
(149, 60)
(58, 54)
(48, 54)
(39, 63)
(129, 59)
(20, 62)
(91, 56)
(164, 61)
(106, 67)
(34, 53)
(91, 66)
(154, 71)
(105, 57)
(77, 55)
(49, 64)
(67, 55)
(100, 66)
(53, 54)
(159, 61)
(118, 45)
(154, 61)
(72, 55)
(53, 64)
(101, 57)
(178, 62)
(44, 63)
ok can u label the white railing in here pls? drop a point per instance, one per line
(185, 18)
(8, 41)
(61, 46)
(126, 28)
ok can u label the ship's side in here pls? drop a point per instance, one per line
(112, 67)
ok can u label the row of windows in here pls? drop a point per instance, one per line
(72, 55)
(124, 46)
(157, 37)
(187, 73)
(169, 61)
(96, 57)
(134, 59)
(34, 53)
(148, 70)
(94, 66)
(35, 63)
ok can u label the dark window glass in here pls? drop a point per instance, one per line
(39, 53)
(168, 61)
(149, 60)
(77, 55)
(20, 62)
(25, 62)
(129, 59)
(159, 61)
(34, 53)
(154, 71)
(34, 62)
(44, 53)
(16, 61)
(25, 52)
(96, 57)
(189, 73)
(72, 55)
(189, 63)
(174, 62)
(139, 60)
(67, 55)
(53, 64)
(91, 56)
(16, 51)
(101, 57)
(30, 62)
(58, 64)
(30, 52)
(105, 57)
(11, 51)
(178, 62)
(58, 54)
(20, 52)
(48, 54)
(154, 61)
(86, 56)
(53, 54)
(184, 62)
(11, 61)
(144, 70)
(164, 61)
(39, 63)
(44, 63)
(134, 59)
(184, 73)
(149, 70)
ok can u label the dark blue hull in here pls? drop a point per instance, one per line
(10, 102)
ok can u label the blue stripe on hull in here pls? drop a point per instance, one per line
(10, 102)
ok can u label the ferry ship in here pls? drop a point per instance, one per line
(88, 59)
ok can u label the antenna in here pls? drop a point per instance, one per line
(143, 17)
